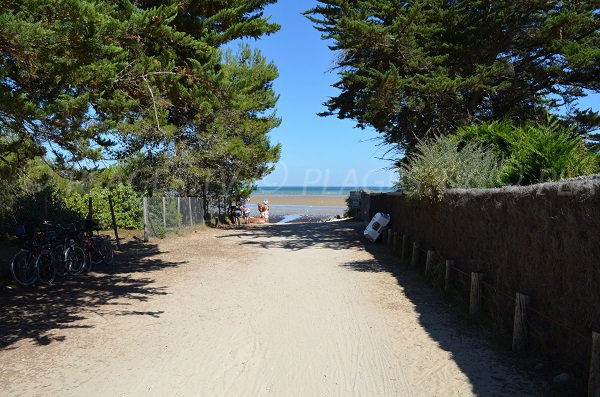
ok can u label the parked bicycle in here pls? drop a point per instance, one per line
(98, 248)
(34, 261)
(69, 255)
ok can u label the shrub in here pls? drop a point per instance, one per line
(441, 163)
(127, 206)
(535, 152)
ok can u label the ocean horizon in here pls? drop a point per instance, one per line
(318, 190)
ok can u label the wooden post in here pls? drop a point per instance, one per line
(405, 243)
(390, 239)
(449, 266)
(164, 212)
(191, 215)
(429, 262)
(520, 340)
(475, 301)
(179, 212)
(594, 380)
(114, 222)
(415, 254)
(90, 209)
(395, 241)
(145, 201)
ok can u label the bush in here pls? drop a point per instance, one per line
(351, 212)
(441, 163)
(127, 206)
(534, 152)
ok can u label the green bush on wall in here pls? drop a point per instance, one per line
(441, 163)
(127, 206)
(534, 152)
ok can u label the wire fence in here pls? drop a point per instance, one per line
(164, 215)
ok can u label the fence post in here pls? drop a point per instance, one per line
(164, 212)
(202, 214)
(405, 243)
(519, 342)
(415, 254)
(114, 221)
(90, 209)
(145, 201)
(390, 238)
(429, 262)
(449, 266)
(395, 241)
(191, 215)
(475, 299)
(179, 212)
(594, 380)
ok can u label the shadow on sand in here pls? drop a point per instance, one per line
(297, 236)
(38, 312)
(442, 321)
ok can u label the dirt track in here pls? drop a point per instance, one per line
(283, 310)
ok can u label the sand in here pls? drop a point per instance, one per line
(328, 201)
(290, 310)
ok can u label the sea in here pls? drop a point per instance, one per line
(316, 190)
(285, 213)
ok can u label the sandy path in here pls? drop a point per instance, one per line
(291, 310)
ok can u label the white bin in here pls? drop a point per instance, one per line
(376, 226)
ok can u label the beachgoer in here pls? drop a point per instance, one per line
(261, 210)
(266, 210)
(245, 212)
(237, 214)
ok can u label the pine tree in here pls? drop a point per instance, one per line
(412, 69)
(74, 72)
(142, 81)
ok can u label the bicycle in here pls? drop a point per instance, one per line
(34, 261)
(97, 248)
(69, 254)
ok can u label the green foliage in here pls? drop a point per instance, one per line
(351, 212)
(144, 82)
(75, 72)
(441, 163)
(414, 69)
(535, 152)
(225, 151)
(127, 206)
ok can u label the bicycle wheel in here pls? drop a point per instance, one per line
(45, 267)
(60, 259)
(75, 260)
(22, 268)
(94, 250)
(107, 252)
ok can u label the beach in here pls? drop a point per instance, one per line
(301, 200)
(300, 208)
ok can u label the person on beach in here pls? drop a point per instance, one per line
(237, 214)
(245, 212)
(266, 210)
(263, 209)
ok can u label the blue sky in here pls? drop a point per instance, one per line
(319, 151)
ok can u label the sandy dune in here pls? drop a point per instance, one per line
(282, 310)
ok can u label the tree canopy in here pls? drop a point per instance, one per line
(415, 68)
(141, 81)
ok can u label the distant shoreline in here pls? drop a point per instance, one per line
(300, 200)
(339, 191)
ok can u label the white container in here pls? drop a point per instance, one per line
(376, 226)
